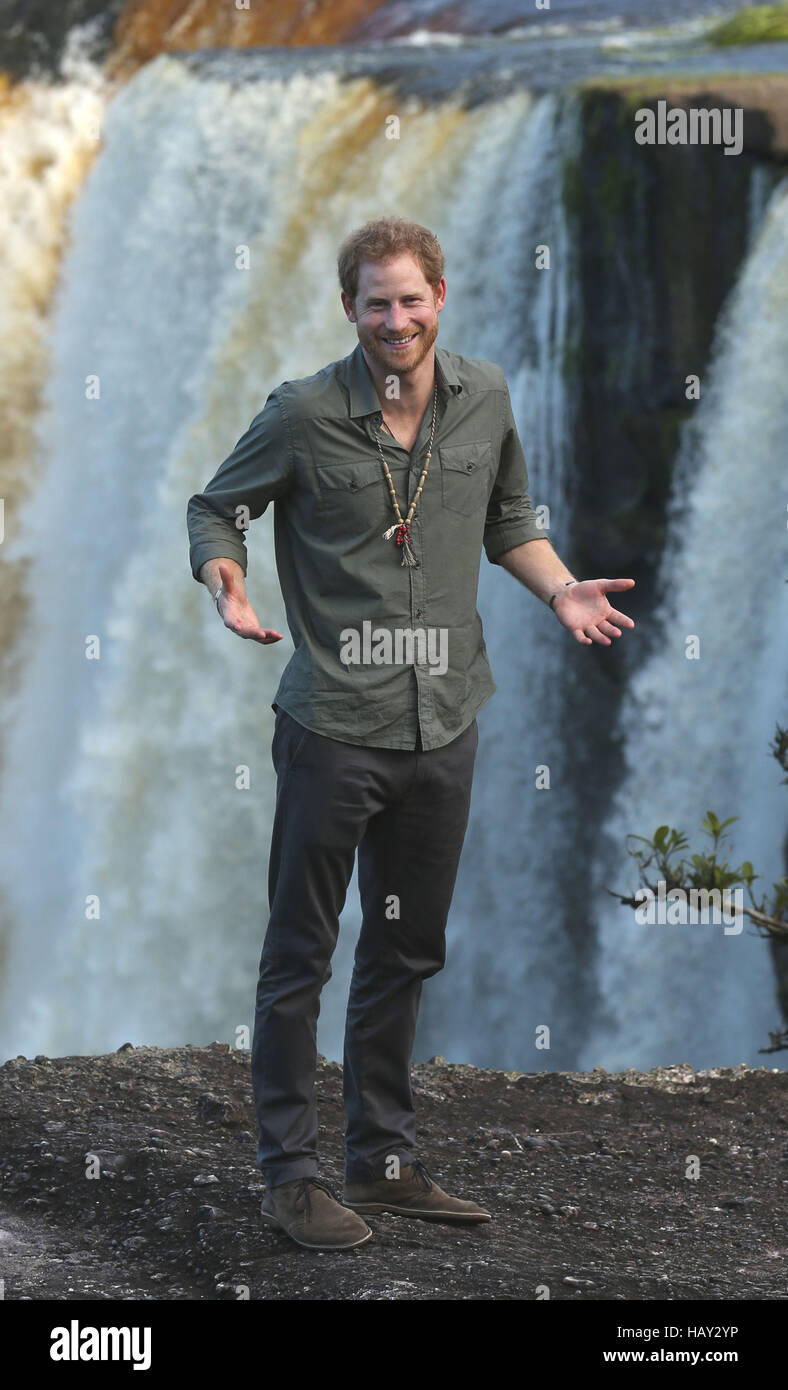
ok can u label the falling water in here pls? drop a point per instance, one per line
(507, 970)
(134, 870)
(119, 789)
(697, 731)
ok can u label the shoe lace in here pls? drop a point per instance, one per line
(422, 1174)
(303, 1191)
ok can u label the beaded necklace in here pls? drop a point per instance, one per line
(401, 529)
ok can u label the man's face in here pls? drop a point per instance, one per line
(396, 312)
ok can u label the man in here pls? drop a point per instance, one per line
(389, 470)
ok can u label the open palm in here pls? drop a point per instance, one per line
(237, 612)
(585, 610)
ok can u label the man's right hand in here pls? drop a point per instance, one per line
(237, 612)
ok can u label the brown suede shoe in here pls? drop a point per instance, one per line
(307, 1210)
(413, 1193)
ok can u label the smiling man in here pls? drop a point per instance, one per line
(390, 471)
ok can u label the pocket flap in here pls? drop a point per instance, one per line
(351, 476)
(466, 458)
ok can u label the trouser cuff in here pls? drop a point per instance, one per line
(286, 1172)
(375, 1170)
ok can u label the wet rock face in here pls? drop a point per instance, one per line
(660, 233)
(133, 1176)
(33, 33)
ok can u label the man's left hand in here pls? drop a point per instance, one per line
(585, 610)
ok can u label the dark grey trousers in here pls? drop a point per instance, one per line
(406, 811)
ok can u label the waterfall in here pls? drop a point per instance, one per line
(134, 870)
(507, 970)
(49, 134)
(119, 784)
(697, 731)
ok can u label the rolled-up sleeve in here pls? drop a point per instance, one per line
(511, 519)
(259, 469)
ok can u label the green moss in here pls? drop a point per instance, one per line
(571, 351)
(615, 186)
(639, 524)
(665, 429)
(759, 24)
(633, 99)
(638, 91)
(572, 186)
(635, 89)
(614, 368)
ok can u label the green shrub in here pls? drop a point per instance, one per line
(759, 24)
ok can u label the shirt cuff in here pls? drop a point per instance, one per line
(214, 550)
(507, 534)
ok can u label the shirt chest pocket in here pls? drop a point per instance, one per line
(355, 495)
(466, 476)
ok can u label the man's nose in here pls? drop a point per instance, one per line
(397, 318)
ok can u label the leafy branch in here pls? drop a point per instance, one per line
(710, 870)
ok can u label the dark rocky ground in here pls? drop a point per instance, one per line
(584, 1175)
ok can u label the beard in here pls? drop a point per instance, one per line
(406, 361)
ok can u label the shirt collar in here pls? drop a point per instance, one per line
(361, 388)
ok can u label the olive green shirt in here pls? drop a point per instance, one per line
(381, 649)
